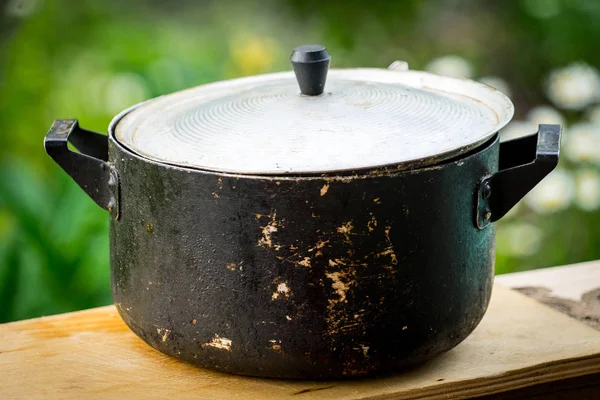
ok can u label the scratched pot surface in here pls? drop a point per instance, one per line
(301, 277)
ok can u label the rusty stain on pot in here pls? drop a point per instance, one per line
(231, 266)
(389, 251)
(164, 334)
(355, 368)
(346, 229)
(193, 322)
(364, 349)
(341, 178)
(377, 200)
(372, 224)
(219, 343)
(324, 189)
(275, 344)
(282, 290)
(150, 228)
(340, 286)
(305, 262)
(215, 195)
(320, 244)
(268, 230)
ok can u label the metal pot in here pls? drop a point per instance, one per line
(306, 255)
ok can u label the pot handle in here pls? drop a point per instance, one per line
(523, 163)
(89, 168)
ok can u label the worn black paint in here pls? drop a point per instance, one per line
(191, 265)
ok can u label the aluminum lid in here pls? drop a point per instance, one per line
(365, 118)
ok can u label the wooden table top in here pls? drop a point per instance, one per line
(521, 342)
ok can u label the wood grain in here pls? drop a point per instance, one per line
(91, 354)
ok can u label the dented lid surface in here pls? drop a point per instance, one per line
(365, 118)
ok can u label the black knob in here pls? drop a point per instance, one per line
(310, 63)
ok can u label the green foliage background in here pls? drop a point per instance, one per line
(89, 59)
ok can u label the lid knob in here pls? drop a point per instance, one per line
(310, 63)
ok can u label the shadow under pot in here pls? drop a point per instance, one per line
(338, 230)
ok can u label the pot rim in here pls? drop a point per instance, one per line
(366, 173)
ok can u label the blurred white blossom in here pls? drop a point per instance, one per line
(536, 116)
(581, 143)
(520, 239)
(574, 87)
(553, 193)
(545, 115)
(498, 83)
(21, 8)
(587, 189)
(125, 90)
(452, 65)
(517, 129)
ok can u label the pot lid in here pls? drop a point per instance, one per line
(344, 120)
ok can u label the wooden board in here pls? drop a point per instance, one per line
(92, 355)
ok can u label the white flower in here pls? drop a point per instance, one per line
(517, 129)
(519, 239)
(497, 83)
(582, 143)
(453, 66)
(574, 87)
(536, 116)
(587, 189)
(124, 90)
(553, 193)
(545, 115)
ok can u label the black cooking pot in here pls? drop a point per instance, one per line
(259, 231)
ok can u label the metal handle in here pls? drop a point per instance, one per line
(89, 168)
(524, 162)
(311, 63)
